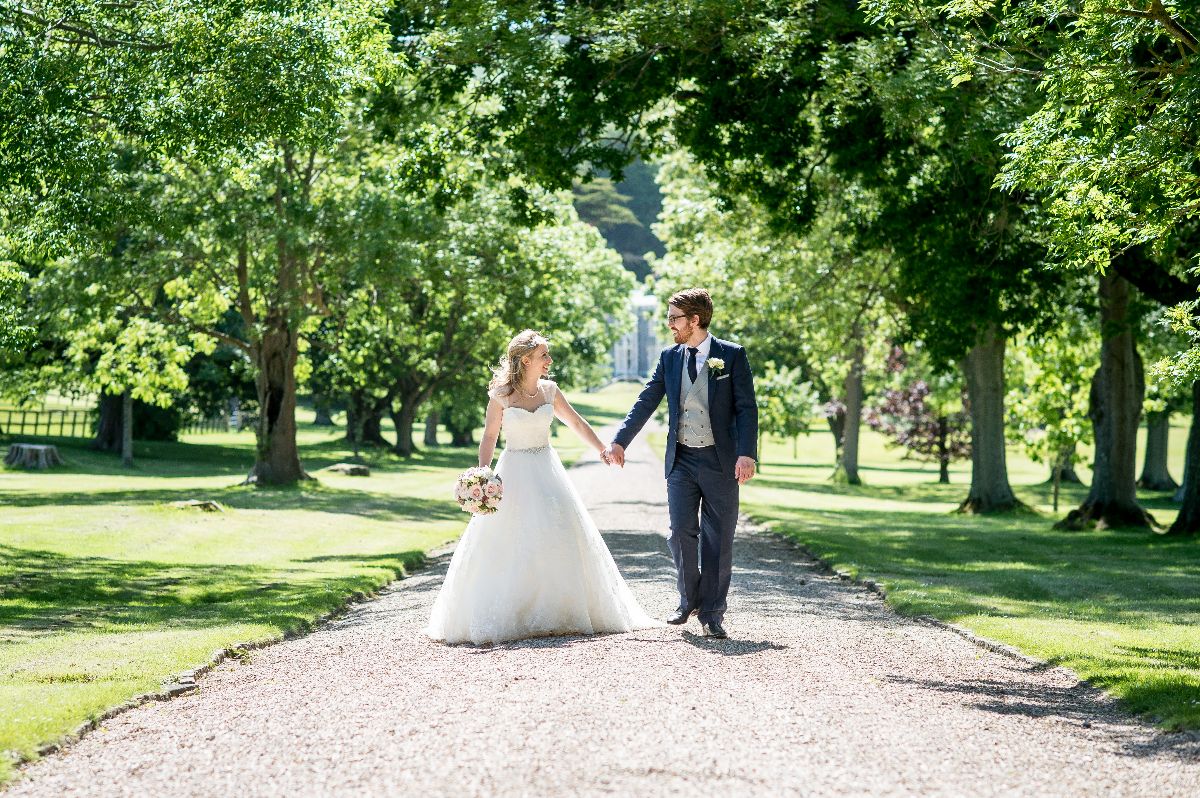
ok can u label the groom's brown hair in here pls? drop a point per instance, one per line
(694, 302)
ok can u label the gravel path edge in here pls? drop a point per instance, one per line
(827, 566)
(184, 682)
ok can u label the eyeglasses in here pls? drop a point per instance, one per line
(673, 319)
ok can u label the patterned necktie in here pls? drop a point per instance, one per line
(692, 362)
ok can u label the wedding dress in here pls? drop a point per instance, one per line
(537, 566)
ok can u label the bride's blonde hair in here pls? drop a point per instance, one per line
(510, 371)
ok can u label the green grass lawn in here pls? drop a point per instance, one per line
(1120, 608)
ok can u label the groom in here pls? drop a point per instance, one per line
(711, 451)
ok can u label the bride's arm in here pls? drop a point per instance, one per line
(569, 416)
(491, 431)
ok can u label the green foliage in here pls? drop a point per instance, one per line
(756, 271)
(197, 80)
(786, 404)
(15, 333)
(473, 276)
(1109, 147)
(1049, 380)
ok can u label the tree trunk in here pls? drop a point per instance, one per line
(364, 417)
(431, 425)
(943, 451)
(404, 417)
(852, 422)
(1064, 470)
(108, 424)
(278, 460)
(984, 369)
(1155, 475)
(837, 426)
(127, 429)
(1116, 404)
(324, 416)
(1188, 520)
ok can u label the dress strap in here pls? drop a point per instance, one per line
(548, 389)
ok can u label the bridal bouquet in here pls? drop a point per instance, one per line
(478, 491)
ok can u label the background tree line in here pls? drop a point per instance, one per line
(965, 224)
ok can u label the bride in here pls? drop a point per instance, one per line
(538, 565)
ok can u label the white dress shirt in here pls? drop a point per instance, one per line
(701, 356)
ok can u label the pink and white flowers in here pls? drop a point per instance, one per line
(478, 491)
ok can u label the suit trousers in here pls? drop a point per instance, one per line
(703, 503)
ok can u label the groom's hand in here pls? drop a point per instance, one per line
(743, 469)
(616, 454)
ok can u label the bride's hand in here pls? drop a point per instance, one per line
(616, 454)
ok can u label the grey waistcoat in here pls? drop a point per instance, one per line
(695, 423)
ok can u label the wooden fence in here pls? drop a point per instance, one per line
(82, 423)
(62, 423)
(193, 426)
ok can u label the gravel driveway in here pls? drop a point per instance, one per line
(820, 691)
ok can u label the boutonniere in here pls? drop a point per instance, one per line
(716, 364)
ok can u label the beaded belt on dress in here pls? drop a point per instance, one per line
(530, 451)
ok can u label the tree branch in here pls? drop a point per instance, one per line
(1158, 13)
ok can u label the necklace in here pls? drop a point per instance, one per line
(530, 395)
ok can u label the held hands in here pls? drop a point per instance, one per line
(743, 469)
(614, 454)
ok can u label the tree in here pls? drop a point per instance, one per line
(1048, 394)
(1162, 400)
(1109, 149)
(473, 276)
(15, 332)
(785, 403)
(186, 163)
(770, 98)
(755, 270)
(925, 416)
(1115, 405)
(202, 78)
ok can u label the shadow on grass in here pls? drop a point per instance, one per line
(45, 592)
(171, 460)
(954, 566)
(307, 498)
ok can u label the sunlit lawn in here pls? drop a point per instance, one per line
(1121, 608)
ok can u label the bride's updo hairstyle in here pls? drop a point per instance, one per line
(510, 371)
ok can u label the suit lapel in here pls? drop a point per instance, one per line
(674, 377)
(715, 350)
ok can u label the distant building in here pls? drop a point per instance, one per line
(636, 353)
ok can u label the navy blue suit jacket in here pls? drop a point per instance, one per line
(731, 404)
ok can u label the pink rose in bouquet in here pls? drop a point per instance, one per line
(478, 491)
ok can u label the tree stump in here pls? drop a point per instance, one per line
(207, 505)
(32, 455)
(350, 469)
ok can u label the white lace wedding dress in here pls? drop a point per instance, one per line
(537, 566)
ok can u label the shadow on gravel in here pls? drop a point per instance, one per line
(730, 647)
(1080, 703)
